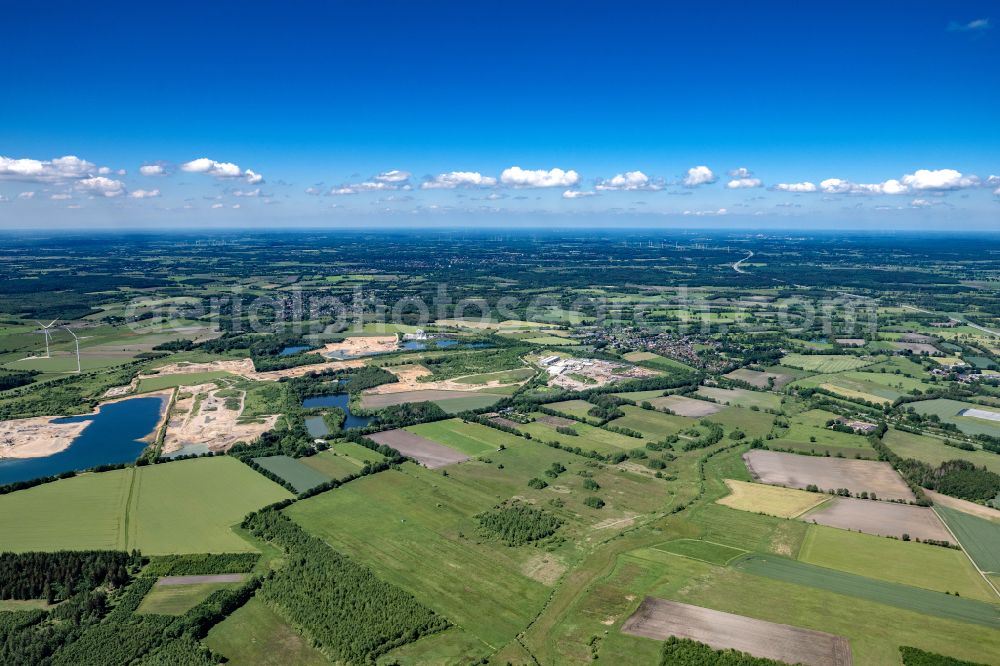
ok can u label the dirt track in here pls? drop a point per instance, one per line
(660, 619)
(428, 453)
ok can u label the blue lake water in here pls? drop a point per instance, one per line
(317, 426)
(288, 351)
(112, 437)
(339, 400)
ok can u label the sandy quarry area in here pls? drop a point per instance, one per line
(275, 375)
(409, 380)
(200, 416)
(36, 437)
(577, 374)
(361, 346)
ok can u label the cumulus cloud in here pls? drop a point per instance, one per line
(393, 176)
(515, 176)
(740, 172)
(221, 170)
(805, 186)
(577, 194)
(628, 181)
(699, 175)
(706, 213)
(744, 183)
(940, 179)
(152, 170)
(217, 205)
(58, 170)
(101, 186)
(925, 203)
(976, 25)
(26, 195)
(144, 194)
(453, 179)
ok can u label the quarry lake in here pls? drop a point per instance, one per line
(113, 436)
(336, 400)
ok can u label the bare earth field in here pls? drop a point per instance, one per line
(203, 418)
(379, 400)
(759, 379)
(660, 619)
(428, 453)
(880, 518)
(682, 406)
(965, 506)
(795, 471)
(361, 346)
(556, 421)
(772, 500)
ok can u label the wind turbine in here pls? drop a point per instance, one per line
(77, 341)
(45, 331)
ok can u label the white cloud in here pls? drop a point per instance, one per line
(217, 205)
(741, 172)
(60, 169)
(152, 170)
(796, 187)
(3, 199)
(975, 25)
(394, 176)
(577, 194)
(221, 170)
(62, 196)
(699, 175)
(247, 193)
(99, 185)
(144, 194)
(26, 195)
(925, 203)
(706, 213)
(744, 183)
(628, 181)
(940, 179)
(453, 179)
(515, 176)
(343, 189)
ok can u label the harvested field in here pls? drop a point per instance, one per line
(428, 453)
(660, 619)
(916, 347)
(759, 379)
(795, 471)
(507, 423)
(380, 400)
(772, 500)
(880, 518)
(682, 406)
(556, 421)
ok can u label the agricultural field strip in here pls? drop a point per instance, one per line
(738, 552)
(660, 619)
(984, 574)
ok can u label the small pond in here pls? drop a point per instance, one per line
(339, 400)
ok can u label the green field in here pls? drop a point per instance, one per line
(934, 451)
(301, 476)
(805, 427)
(170, 381)
(186, 506)
(588, 437)
(652, 424)
(916, 564)
(948, 411)
(342, 459)
(471, 401)
(825, 363)
(703, 551)
(656, 361)
(871, 386)
(503, 376)
(980, 538)
(870, 589)
(470, 438)
(255, 634)
(178, 599)
(575, 408)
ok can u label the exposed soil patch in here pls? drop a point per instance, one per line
(880, 518)
(428, 453)
(795, 471)
(660, 619)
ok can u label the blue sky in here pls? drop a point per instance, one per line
(291, 113)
